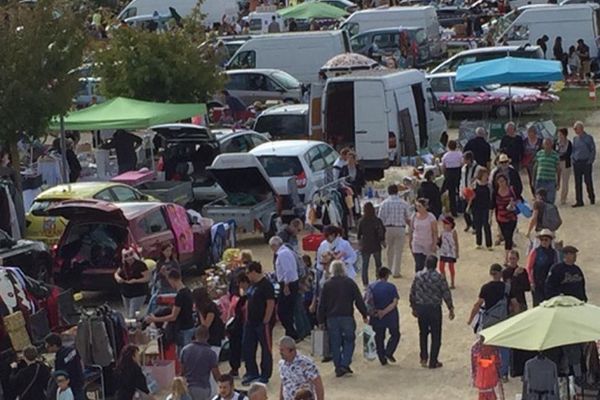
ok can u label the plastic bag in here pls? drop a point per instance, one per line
(369, 348)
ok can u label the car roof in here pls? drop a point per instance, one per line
(441, 75)
(226, 133)
(285, 147)
(296, 109)
(75, 190)
(391, 29)
(178, 126)
(252, 71)
(495, 49)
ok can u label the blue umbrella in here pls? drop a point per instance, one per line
(508, 70)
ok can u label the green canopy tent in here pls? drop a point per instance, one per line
(312, 10)
(124, 113)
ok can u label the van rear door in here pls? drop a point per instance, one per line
(370, 121)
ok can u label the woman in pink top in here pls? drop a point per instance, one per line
(423, 234)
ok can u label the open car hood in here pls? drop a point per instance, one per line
(89, 210)
(241, 173)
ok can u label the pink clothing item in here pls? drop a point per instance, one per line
(452, 159)
(422, 238)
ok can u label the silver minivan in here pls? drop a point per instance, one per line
(252, 85)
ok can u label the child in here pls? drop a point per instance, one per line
(480, 206)
(448, 248)
(63, 392)
(179, 390)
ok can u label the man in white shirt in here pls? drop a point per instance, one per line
(340, 162)
(286, 270)
(340, 248)
(394, 212)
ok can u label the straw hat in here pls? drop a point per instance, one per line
(503, 158)
(546, 232)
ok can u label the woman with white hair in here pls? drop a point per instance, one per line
(132, 277)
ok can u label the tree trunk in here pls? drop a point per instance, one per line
(16, 166)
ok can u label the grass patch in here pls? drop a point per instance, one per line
(573, 105)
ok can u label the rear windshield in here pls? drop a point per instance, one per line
(283, 126)
(277, 166)
(40, 207)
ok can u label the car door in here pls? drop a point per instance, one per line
(329, 155)
(263, 88)
(317, 166)
(154, 232)
(182, 230)
(257, 139)
(237, 86)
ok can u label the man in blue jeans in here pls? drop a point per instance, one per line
(339, 296)
(258, 327)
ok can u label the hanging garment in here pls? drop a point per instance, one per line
(49, 168)
(540, 380)
(334, 214)
(92, 342)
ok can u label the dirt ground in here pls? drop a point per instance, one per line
(406, 379)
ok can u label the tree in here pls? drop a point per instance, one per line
(40, 45)
(163, 67)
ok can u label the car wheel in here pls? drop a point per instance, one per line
(501, 112)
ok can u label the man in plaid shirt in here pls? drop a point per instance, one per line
(428, 290)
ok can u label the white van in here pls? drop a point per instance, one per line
(260, 19)
(390, 17)
(530, 23)
(213, 9)
(300, 54)
(382, 115)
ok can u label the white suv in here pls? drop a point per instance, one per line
(310, 162)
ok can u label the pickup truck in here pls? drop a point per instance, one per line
(250, 199)
(89, 250)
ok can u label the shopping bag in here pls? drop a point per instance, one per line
(163, 371)
(369, 348)
(319, 342)
(524, 209)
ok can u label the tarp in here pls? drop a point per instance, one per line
(560, 321)
(508, 70)
(312, 9)
(124, 113)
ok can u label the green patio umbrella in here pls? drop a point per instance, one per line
(312, 10)
(560, 321)
(124, 113)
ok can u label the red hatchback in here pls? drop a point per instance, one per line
(89, 251)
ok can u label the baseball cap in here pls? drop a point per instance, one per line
(570, 249)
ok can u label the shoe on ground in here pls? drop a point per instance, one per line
(339, 372)
(247, 381)
(478, 247)
(505, 379)
(397, 276)
(391, 358)
(467, 228)
(490, 248)
(577, 205)
(326, 359)
(436, 365)
(452, 287)
(349, 370)
(424, 363)
(592, 201)
(264, 381)
(383, 361)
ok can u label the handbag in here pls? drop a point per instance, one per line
(319, 342)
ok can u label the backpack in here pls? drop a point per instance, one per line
(498, 312)
(550, 217)
(300, 267)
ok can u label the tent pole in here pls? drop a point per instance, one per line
(63, 150)
(509, 103)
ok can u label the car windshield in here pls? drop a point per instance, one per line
(501, 24)
(285, 80)
(279, 166)
(40, 207)
(255, 24)
(282, 126)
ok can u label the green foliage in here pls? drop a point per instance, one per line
(40, 44)
(163, 67)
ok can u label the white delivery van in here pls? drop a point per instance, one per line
(214, 10)
(382, 114)
(260, 19)
(391, 17)
(300, 54)
(530, 23)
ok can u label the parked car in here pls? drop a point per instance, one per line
(251, 85)
(308, 161)
(33, 257)
(89, 250)
(288, 121)
(386, 41)
(444, 84)
(45, 228)
(487, 53)
(189, 149)
(88, 93)
(343, 4)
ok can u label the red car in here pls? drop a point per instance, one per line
(89, 251)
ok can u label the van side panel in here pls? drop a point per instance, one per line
(371, 123)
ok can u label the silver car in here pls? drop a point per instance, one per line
(251, 85)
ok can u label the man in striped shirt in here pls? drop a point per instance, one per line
(547, 170)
